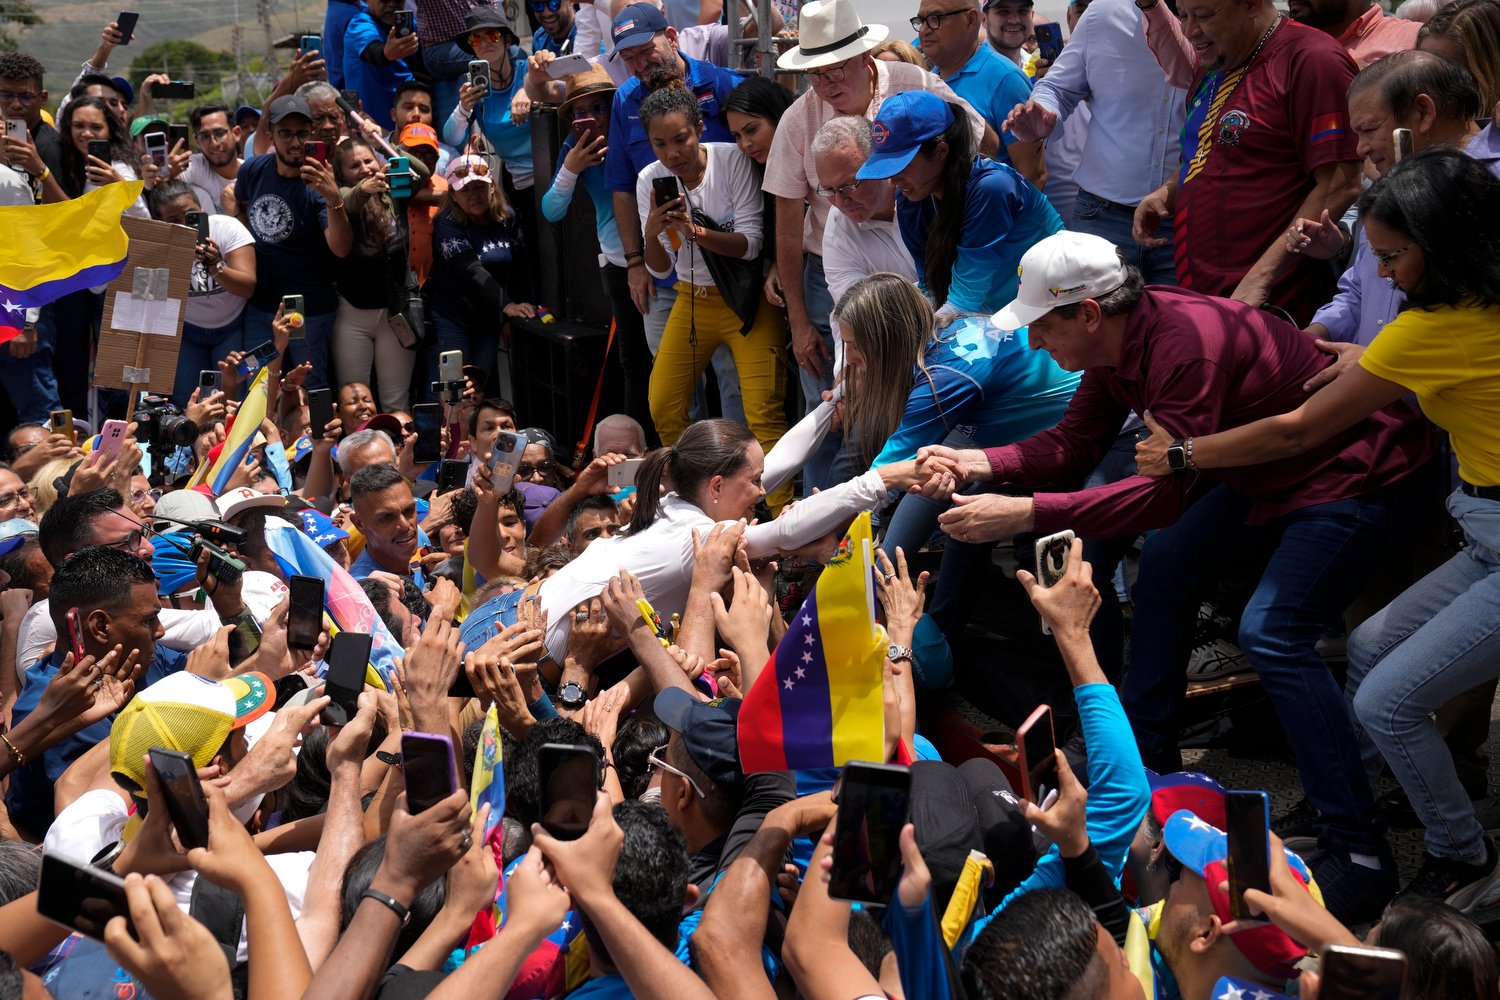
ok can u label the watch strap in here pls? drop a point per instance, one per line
(386, 757)
(401, 912)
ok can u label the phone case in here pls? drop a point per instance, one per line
(1030, 769)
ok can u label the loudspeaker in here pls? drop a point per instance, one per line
(555, 367)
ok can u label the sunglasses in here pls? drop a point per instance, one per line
(537, 6)
(526, 470)
(480, 169)
(655, 761)
(476, 37)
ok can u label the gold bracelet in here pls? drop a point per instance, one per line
(17, 754)
(46, 172)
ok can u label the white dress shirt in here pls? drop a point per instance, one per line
(852, 250)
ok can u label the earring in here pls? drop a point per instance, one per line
(716, 501)
(1151, 867)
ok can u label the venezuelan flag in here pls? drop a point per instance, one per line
(488, 785)
(242, 430)
(819, 700)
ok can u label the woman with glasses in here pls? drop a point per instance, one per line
(1433, 225)
(479, 272)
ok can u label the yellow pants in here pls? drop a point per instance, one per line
(695, 329)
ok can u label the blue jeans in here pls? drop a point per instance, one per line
(479, 341)
(819, 470)
(1437, 640)
(1107, 557)
(1321, 558)
(448, 65)
(203, 349)
(335, 25)
(317, 333)
(916, 516)
(1092, 214)
(30, 382)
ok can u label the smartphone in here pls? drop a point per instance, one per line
(210, 382)
(99, 149)
(156, 149)
(429, 420)
(874, 802)
(304, 619)
(15, 129)
(451, 366)
(1247, 822)
(1049, 40)
(80, 896)
(125, 21)
(184, 796)
(664, 189)
(315, 149)
(177, 133)
(1052, 562)
(504, 457)
(406, 24)
(319, 410)
(479, 74)
(1402, 140)
(1354, 972)
(257, 359)
(348, 656)
(623, 475)
(199, 221)
(291, 303)
(351, 98)
(398, 175)
(62, 423)
(111, 437)
(564, 66)
(174, 90)
(427, 766)
(570, 780)
(1035, 741)
(75, 635)
(310, 43)
(453, 474)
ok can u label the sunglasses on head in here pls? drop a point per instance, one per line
(480, 169)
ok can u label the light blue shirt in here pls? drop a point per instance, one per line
(992, 85)
(1134, 141)
(560, 195)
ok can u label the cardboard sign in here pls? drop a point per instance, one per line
(141, 335)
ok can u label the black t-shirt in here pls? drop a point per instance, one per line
(48, 146)
(287, 219)
(373, 276)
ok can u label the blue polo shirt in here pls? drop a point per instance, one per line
(543, 42)
(376, 84)
(630, 151)
(992, 85)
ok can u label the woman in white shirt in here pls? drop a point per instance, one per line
(86, 120)
(710, 234)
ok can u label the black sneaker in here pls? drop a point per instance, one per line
(1298, 828)
(1352, 892)
(1462, 886)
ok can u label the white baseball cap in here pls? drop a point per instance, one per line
(1062, 269)
(242, 498)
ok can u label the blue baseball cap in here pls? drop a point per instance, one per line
(245, 111)
(13, 534)
(637, 25)
(903, 123)
(708, 730)
(125, 89)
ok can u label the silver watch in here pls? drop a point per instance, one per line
(893, 652)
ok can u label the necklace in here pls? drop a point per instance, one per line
(1263, 38)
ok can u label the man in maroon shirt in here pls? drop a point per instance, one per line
(1199, 363)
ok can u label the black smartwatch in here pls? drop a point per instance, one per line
(571, 696)
(1180, 455)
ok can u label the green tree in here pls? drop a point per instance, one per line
(182, 60)
(18, 14)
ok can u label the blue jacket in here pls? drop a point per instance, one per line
(376, 84)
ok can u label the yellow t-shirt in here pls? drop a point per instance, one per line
(1449, 357)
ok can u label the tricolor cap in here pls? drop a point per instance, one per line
(13, 534)
(1197, 793)
(1235, 988)
(637, 25)
(1064, 268)
(183, 712)
(903, 123)
(1204, 848)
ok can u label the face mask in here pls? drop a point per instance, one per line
(652, 794)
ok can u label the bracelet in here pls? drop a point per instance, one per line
(1187, 453)
(46, 172)
(14, 751)
(401, 912)
(634, 263)
(634, 254)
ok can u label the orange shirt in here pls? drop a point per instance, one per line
(419, 221)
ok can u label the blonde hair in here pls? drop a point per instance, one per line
(499, 206)
(890, 322)
(43, 481)
(1473, 27)
(904, 51)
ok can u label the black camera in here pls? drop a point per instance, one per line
(162, 425)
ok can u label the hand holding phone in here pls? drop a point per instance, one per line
(1355, 972)
(1049, 40)
(125, 23)
(874, 803)
(623, 474)
(665, 190)
(505, 456)
(1247, 821)
(304, 621)
(81, 897)
(177, 778)
(428, 770)
(319, 410)
(348, 657)
(1035, 741)
(570, 779)
(111, 438)
(453, 474)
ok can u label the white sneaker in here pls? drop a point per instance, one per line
(1216, 658)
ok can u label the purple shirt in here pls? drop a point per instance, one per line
(1202, 364)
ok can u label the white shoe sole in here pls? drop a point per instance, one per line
(1477, 894)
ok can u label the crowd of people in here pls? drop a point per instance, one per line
(1205, 296)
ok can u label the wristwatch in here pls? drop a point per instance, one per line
(1180, 455)
(571, 696)
(387, 758)
(894, 653)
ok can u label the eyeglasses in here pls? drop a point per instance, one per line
(654, 759)
(935, 21)
(525, 470)
(214, 136)
(843, 190)
(476, 37)
(834, 74)
(15, 97)
(480, 169)
(1384, 259)
(598, 110)
(139, 495)
(299, 136)
(19, 496)
(538, 7)
(132, 541)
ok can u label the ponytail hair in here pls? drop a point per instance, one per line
(708, 448)
(947, 225)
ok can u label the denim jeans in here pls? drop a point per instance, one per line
(1107, 557)
(317, 334)
(202, 350)
(1437, 640)
(1092, 214)
(819, 471)
(1321, 558)
(30, 382)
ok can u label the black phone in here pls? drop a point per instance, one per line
(351, 98)
(570, 779)
(1353, 972)
(427, 767)
(453, 474)
(304, 620)
(99, 149)
(874, 802)
(210, 382)
(429, 420)
(1049, 40)
(174, 90)
(406, 23)
(125, 21)
(80, 896)
(1035, 741)
(348, 656)
(178, 133)
(185, 803)
(199, 221)
(319, 410)
(664, 189)
(1247, 824)
(263, 355)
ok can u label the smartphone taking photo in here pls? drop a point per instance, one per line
(304, 621)
(1354, 972)
(428, 446)
(874, 802)
(570, 779)
(348, 656)
(1035, 741)
(1247, 822)
(80, 897)
(183, 795)
(427, 767)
